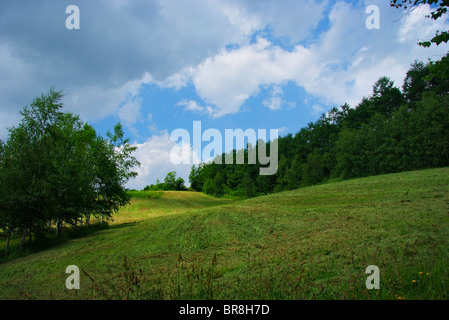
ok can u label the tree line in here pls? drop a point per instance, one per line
(56, 170)
(392, 130)
(171, 183)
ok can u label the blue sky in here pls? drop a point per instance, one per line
(157, 66)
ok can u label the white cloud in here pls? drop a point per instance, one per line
(275, 101)
(123, 45)
(98, 101)
(340, 66)
(282, 130)
(177, 80)
(227, 80)
(117, 46)
(151, 124)
(129, 113)
(191, 105)
(239, 16)
(317, 109)
(289, 20)
(416, 27)
(154, 156)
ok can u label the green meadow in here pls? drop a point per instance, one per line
(310, 243)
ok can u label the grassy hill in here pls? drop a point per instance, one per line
(311, 243)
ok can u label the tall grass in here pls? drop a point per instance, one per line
(194, 281)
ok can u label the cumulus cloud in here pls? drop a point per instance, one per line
(118, 45)
(129, 113)
(416, 27)
(155, 158)
(282, 130)
(227, 80)
(276, 101)
(289, 21)
(340, 66)
(229, 51)
(317, 109)
(193, 106)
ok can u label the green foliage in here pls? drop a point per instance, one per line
(415, 82)
(440, 8)
(171, 183)
(389, 131)
(438, 76)
(55, 171)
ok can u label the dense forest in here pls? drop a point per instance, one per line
(392, 130)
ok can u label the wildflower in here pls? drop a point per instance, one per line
(421, 272)
(427, 274)
(414, 281)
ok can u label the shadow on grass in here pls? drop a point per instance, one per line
(51, 240)
(124, 225)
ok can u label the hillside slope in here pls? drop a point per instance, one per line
(310, 243)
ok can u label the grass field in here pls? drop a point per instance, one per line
(311, 243)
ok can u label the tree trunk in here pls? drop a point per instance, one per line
(59, 227)
(8, 237)
(23, 239)
(87, 220)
